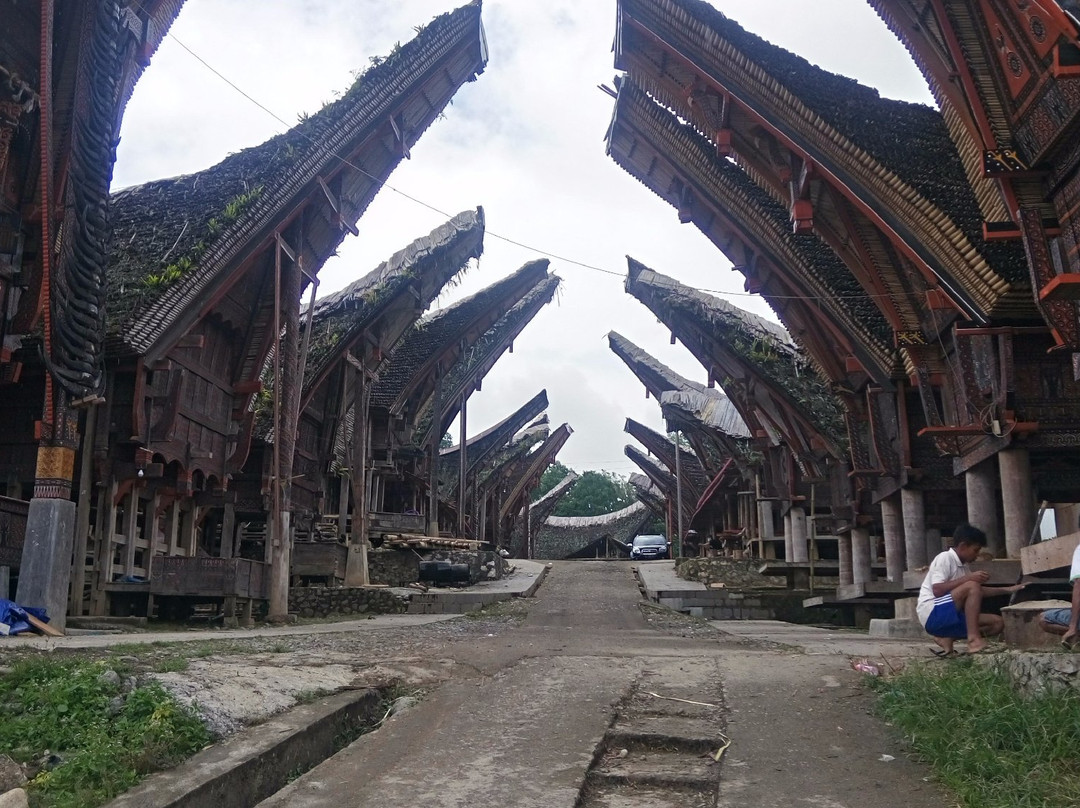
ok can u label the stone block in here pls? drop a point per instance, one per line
(1022, 628)
(904, 609)
(898, 629)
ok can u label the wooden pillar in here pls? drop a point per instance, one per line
(150, 534)
(800, 552)
(82, 514)
(981, 483)
(860, 555)
(463, 465)
(914, 508)
(433, 461)
(1017, 497)
(892, 524)
(189, 525)
(356, 563)
(131, 528)
(228, 531)
(172, 529)
(103, 558)
(789, 546)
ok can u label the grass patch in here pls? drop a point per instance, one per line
(171, 665)
(992, 746)
(63, 707)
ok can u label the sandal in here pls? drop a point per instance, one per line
(941, 653)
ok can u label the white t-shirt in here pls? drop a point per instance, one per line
(946, 566)
(1074, 573)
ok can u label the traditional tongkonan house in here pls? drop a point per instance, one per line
(426, 384)
(483, 463)
(205, 282)
(1007, 79)
(520, 544)
(515, 482)
(717, 478)
(67, 71)
(793, 417)
(605, 535)
(352, 334)
(884, 186)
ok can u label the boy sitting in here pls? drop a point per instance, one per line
(950, 600)
(1065, 621)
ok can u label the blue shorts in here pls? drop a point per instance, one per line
(1058, 617)
(946, 620)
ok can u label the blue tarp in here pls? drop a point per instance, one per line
(14, 616)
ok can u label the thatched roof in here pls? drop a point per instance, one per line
(910, 140)
(420, 270)
(758, 346)
(665, 385)
(174, 238)
(563, 536)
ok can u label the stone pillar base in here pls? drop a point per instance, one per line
(356, 565)
(46, 559)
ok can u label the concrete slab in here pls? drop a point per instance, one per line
(815, 640)
(521, 583)
(202, 635)
(660, 581)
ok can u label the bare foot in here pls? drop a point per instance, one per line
(976, 646)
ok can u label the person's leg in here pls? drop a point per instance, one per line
(968, 599)
(1054, 621)
(991, 625)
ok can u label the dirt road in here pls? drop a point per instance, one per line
(594, 701)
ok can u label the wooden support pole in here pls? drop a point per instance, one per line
(82, 513)
(463, 461)
(228, 531)
(131, 529)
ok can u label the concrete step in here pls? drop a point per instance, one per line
(898, 629)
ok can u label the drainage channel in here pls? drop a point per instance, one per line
(661, 749)
(245, 769)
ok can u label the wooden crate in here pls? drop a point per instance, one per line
(210, 577)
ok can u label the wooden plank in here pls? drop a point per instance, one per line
(43, 627)
(1046, 556)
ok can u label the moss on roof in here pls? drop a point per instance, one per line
(762, 347)
(162, 229)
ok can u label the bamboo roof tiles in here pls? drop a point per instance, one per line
(714, 408)
(417, 354)
(843, 125)
(174, 238)
(668, 156)
(711, 328)
(424, 267)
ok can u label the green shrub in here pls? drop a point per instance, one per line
(68, 709)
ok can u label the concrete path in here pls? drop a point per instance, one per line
(539, 720)
(816, 640)
(201, 635)
(521, 583)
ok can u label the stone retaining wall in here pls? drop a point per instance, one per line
(737, 574)
(324, 601)
(1035, 673)
(393, 567)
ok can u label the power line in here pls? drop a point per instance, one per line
(507, 239)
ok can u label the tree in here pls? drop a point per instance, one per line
(596, 493)
(554, 475)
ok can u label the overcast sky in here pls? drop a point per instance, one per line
(525, 141)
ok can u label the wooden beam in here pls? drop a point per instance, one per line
(1049, 555)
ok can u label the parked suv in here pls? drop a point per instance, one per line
(649, 548)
